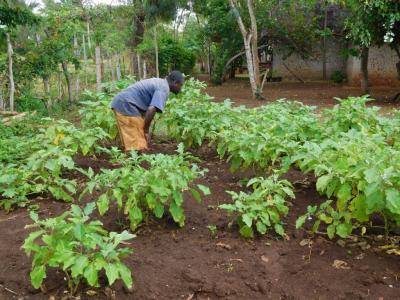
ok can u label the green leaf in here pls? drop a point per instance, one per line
(343, 194)
(358, 207)
(331, 231)
(205, 190)
(135, 216)
(322, 182)
(151, 200)
(279, 229)
(261, 228)
(159, 210)
(300, 221)
(246, 231)
(80, 264)
(91, 275)
(247, 220)
(118, 196)
(177, 213)
(344, 230)
(393, 200)
(196, 195)
(177, 198)
(103, 204)
(125, 274)
(111, 273)
(89, 208)
(371, 175)
(52, 165)
(37, 275)
(375, 201)
(79, 231)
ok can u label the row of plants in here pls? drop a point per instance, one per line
(352, 150)
(138, 185)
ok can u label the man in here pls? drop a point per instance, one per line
(136, 106)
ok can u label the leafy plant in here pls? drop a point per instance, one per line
(338, 222)
(79, 247)
(338, 77)
(212, 229)
(97, 113)
(139, 190)
(263, 207)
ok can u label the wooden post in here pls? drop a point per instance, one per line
(84, 59)
(98, 69)
(156, 51)
(139, 67)
(10, 71)
(118, 67)
(144, 69)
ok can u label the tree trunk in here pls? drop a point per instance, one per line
(137, 37)
(84, 59)
(139, 67)
(59, 85)
(364, 70)
(254, 44)
(68, 80)
(156, 51)
(10, 71)
(144, 69)
(2, 104)
(46, 86)
(98, 69)
(102, 67)
(111, 66)
(324, 49)
(250, 67)
(118, 68)
(88, 35)
(77, 87)
(249, 41)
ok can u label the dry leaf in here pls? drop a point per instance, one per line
(340, 264)
(226, 246)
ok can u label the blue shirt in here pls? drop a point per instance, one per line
(136, 99)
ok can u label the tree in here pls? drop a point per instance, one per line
(13, 14)
(250, 40)
(372, 23)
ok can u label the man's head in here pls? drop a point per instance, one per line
(175, 80)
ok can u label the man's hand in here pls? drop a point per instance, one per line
(148, 138)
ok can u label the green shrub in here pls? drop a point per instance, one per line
(338, 77)
(80, 248)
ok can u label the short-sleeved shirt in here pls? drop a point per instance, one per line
(136, 99)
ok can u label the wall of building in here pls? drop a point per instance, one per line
(311, 69)
(382, 66)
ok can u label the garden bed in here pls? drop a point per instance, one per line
(191, 263)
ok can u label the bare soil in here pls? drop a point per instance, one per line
(189, 263)
(320, 94)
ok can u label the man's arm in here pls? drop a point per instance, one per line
(148, 118)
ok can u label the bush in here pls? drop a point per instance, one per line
(172, 55)
(28, 102)
(338, 77)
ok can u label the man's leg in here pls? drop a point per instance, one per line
(131, 132)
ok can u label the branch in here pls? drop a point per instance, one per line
(243, 30)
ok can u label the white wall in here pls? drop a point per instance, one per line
(311, 69)
(381, 67)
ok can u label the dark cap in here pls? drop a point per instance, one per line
(176, 76)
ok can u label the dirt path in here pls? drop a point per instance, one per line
(321, 94)
(188, 263)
